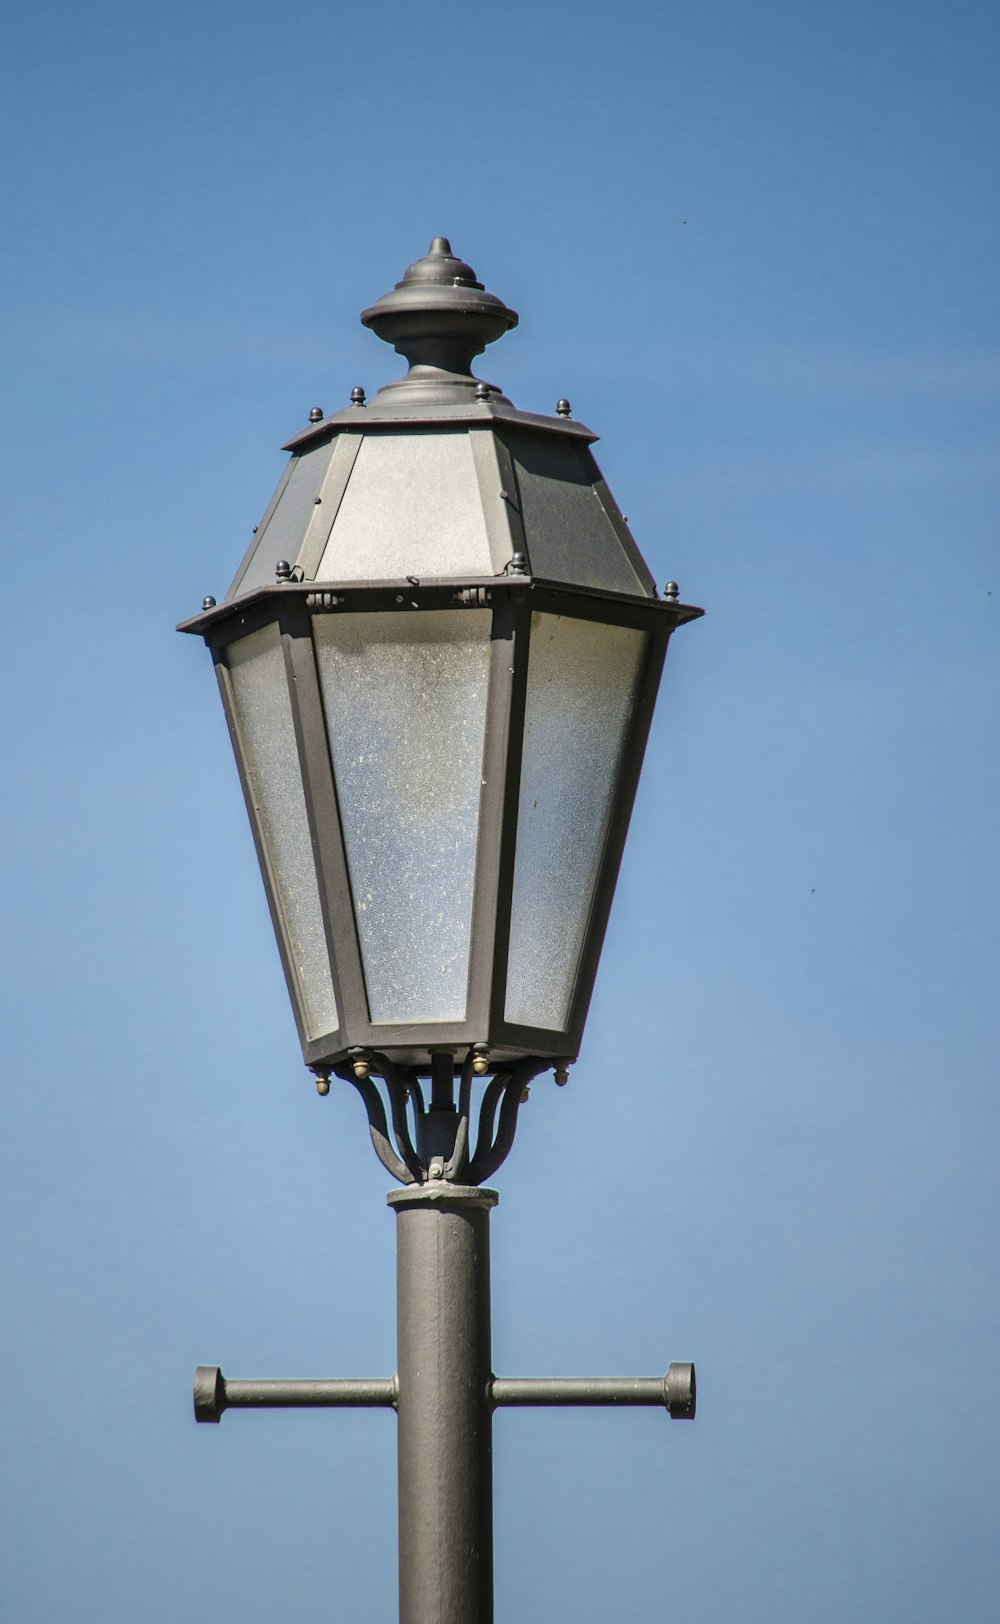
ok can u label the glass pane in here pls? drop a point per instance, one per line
(570, 537)
(405, 700)
(411, 507)
(264, 714)
(582, 680)
(284, 533)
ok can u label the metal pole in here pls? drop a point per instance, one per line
(443, 1403)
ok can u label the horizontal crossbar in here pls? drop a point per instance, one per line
(215, 1393)
(675, 1391)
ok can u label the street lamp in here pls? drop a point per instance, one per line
(439, 660)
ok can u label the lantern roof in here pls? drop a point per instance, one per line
(440, 475)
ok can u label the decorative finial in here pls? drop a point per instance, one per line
(207, 603)
(671, 592)
(357, 395)
(563, 408)
(315, 414)
(282, 570)
(483, 391)
(439, 316)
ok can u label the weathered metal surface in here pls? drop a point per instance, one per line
(443, 1405)
(675, 1391)
(215, 1393)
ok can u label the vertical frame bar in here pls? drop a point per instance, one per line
(331, 494)
(225, 682)
(498, 496)
(324, 823)
(618, 827)
(493, 800)
(519, 610)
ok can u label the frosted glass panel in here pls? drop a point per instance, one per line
(411, 507)
(405, 701)
(284, 533)
(582, 679)
(264, 714)
(570, 537)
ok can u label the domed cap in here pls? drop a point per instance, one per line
(439, 317)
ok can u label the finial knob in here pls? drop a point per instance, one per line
(439, 316)
(671, 592)
(357, 395)
(282, 570)
(315, 414)
(563, 408)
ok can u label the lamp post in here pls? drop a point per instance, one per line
(439, 660)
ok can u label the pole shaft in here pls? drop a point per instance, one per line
(443, 1405)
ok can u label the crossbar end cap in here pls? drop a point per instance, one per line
(209, 1393)
(680, 1392)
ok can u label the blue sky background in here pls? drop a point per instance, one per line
(757, 248)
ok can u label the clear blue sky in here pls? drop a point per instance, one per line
(756, 245)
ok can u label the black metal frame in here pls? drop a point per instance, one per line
(513, 600)
(439, 1145)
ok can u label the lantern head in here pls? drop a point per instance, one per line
(439, 660)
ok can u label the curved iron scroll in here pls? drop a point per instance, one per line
(492, 1151)
(502, 1096)
(378, 1127)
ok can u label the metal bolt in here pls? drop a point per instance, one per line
(563, 408)
(561, 1075)
(357, 396)
(282, 570)
(315, 414)
(208, 603)
(481, 1059)
(671, 592)
(482, 391)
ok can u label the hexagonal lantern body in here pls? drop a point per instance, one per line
(439, 661)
